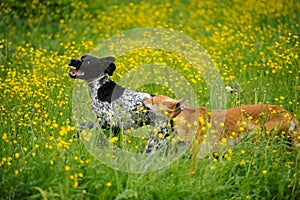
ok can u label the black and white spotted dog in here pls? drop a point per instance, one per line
(117, 107)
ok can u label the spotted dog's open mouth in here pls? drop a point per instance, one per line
(75, 72)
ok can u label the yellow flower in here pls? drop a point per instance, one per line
(4, 137)
(36, 105)
(55, 125)
(242, 162)
(213, 167)
(67, 168)
(108, 184)
(62, 131)
(224, 140)
(113, 140)
(75, 184)
(264, 171)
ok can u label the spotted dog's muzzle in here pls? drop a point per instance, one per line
(73, 73)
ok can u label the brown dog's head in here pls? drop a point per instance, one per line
(90, 68)
(163, 105)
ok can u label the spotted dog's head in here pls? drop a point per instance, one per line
(90, 68)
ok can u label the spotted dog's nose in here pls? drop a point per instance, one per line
(75, 63)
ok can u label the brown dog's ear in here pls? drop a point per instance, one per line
(178, 104)
(183, 104)
(171, 104)
(110, 69)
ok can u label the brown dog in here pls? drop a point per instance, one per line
(225, 126)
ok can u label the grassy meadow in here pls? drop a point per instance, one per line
(254, 45)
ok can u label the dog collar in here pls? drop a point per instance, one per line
(177, 112)
(97, 79)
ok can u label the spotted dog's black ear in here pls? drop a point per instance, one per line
(84, 56)
(110, 69)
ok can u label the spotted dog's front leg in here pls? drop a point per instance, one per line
(158, 138)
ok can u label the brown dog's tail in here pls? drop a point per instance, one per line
(294, 132)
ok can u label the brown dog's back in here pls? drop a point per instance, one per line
(229, 123)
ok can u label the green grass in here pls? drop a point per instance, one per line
(255, 45)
